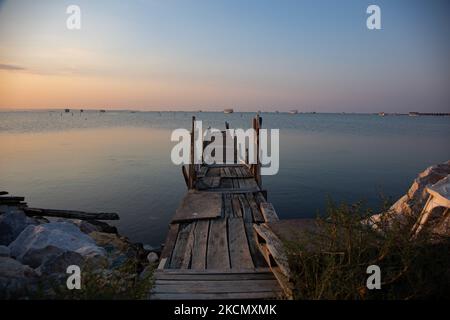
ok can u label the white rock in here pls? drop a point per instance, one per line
(152, 257)
(63, 235)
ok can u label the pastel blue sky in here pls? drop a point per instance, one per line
(209, 54)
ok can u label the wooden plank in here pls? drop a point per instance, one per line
(208, 182)
(240, 256)
(200, 245)
(238, 172)
(260, 198)
(216, 296)
(13, 199)
(211, 286)
(246, 211)
(227, 205)
(213, 271)
(237, 209)
(198, 205)
(213, 172)
(182, 252)
(217, 255)
(258, 259)
(202, 172)
(71, 214)
(171, 239)
(268, 212)
(275, 247)
(226, 184)
(217, 277)
(257, 215)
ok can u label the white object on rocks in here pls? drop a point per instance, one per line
(152, 257)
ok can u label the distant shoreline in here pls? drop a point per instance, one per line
(382, 114)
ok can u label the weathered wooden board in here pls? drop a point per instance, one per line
(71, 214)
(260, 198)
(226, 183)
(246, 211)
(237, 209)
(200, 245)
(202, 172)
(182, 252)
(214, 276)
(210, 182)
(275, 247)
(212, 286)
(217, 296)
(217, 255)
(227, 205)
(238, 246)
(268, 212)
(257, 215)
(213, 172)
(213, 271)
(198, 205)
(171, 239)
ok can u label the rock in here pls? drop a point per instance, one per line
(63, 235)
(103, 226)
(11, 269)
(35, 257)
(85, 226)
(412, 203)
(148, 247)
(12, 223)
(152, 257)
(4, 251)
(109, 240)
(60, 262)
(16, 280)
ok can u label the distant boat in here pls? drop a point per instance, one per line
(228, 111)
(67, 110)
(414, 114)
(381, 114)
(102, 111)
(81, 110)
(293, 111)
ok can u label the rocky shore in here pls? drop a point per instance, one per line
(410, 205)
(35, 253)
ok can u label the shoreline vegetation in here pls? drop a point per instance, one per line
(327, 259)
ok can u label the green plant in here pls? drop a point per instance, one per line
(330, 261)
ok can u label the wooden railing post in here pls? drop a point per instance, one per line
(258, 122)
(191, 164)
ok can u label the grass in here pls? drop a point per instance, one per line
(123, 283)
(331, 261)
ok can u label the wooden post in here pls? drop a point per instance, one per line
(258, 122)
(191, 164)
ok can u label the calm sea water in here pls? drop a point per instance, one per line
(120, 161)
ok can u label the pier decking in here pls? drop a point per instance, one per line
(211, 249)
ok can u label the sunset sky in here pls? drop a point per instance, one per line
(308, 55)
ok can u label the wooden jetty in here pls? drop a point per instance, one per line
(213, 249)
